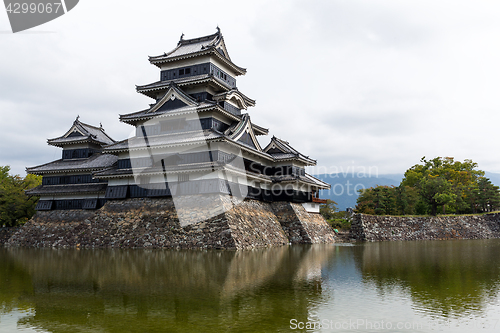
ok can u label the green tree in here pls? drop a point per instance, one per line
(443, 182)
(440, 184)
(15, 206)
(488, 196)
(406, 200)
(379, 200)
(366, 202)
(328, 209)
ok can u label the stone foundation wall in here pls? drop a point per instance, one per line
(156, 223)
(301, 226)
(6, 233)
(397, 228)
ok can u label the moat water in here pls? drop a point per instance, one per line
(425, 286)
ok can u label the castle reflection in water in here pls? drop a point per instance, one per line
(244, 291)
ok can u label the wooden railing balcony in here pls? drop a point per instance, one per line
(318, 200)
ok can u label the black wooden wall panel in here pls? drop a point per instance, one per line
(205, 68)
(77, 153)
(124, 164)
(137, 191)
(73, 179)
(230, 108)
(68, 204)
(44, 205)
(158, 190)
(200, 97)
(117, 192)
(187, 71)
(179, 125)
(90, 203)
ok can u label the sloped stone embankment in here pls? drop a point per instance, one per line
(156, 223)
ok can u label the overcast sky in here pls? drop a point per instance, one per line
(350, 83)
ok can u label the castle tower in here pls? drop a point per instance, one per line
(197, 137)
(68, 183)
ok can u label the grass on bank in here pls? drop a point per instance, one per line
(439, 215)
(340, 221)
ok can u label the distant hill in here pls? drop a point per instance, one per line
(344, 186)
(494, 177)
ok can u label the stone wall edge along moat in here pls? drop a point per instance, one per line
(399, 228)
(156, 223)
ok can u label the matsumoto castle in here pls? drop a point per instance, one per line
(196, 138)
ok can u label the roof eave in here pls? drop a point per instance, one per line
(43, 172)
(260, 130)
(151, 92)
(86, 140)
(158, 61)
(159, 146)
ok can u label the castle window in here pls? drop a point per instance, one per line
(181, 72)
(188, 71)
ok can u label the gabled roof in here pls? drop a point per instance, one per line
(281, 150)
(81, 133)
(171, 95)
(316, 181)
(235, 96)
(189, 48)
(243, 132)
(143, 115)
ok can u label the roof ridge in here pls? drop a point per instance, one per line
(100, 128)
(91, 126)
(183, 41)
(280, 140)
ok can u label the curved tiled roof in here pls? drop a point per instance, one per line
(151, 89)
(285, 151)
(94, 162)
(85, 133)
(224, 95)
(188, 48)
(67, 189)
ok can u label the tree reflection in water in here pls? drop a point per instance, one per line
(446, 279)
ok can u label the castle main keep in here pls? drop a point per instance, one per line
(194, 147)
